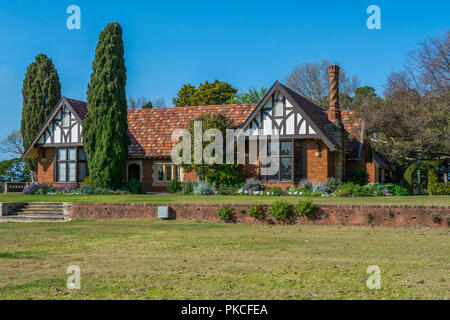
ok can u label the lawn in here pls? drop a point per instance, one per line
(151, 259)
(409, 200)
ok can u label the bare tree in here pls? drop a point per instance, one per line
(427, 68)
(311, 81)
(12, 144)
(136, 103)
(413, 118)
(159, 103)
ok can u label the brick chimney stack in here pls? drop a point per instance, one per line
(334, 113)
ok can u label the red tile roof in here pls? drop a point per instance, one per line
(151, 129)
(354, 137)
(80, 107)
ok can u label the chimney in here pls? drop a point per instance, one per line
(334, 113)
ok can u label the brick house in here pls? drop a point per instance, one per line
(313, 143)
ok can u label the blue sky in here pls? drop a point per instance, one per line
(169, 43)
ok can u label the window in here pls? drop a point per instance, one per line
(160, 170)
(70, 162)
(66, 168)
(82, 165)
(166, 172)
(285, 165)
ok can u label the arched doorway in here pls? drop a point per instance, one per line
(134, 172)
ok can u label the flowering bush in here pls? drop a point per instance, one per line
(305, 183)
(31, 188)
(297, 191)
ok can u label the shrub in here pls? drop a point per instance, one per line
(349, 189)
(400, 191)
(436, 218)
(321, 188)
(91, 190)
(175, 186)
(41, 190)
(305, 183)
(226, 190)
(276, 191)
(87, 182)
(333, 183)
(434, 186)
(135, 186)
(225, 174)
(357, 176)
(2, 187)
(203, 188)
(31, 188)
(253, 185)
(188, 187)
(306, 208)
(448, 221)
(256, 211)
(297, 191)
(281, 210)
(226, 213)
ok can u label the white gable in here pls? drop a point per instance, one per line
(62, 129)
(279, 115)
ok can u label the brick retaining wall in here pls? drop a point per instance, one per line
(345, 215)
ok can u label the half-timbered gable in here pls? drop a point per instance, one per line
(65, 128)
(280, 113)
(59, 144)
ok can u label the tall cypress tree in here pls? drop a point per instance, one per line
(41, 92)
(105, 127)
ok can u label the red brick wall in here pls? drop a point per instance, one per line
(45, 166)
(317, 168)
(371, 169)
(345, 215)
(147, 173)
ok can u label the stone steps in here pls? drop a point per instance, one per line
(36, 211)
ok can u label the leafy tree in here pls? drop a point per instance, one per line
(105, 127)
(41, 91)
(311, 81)
(216, 174)
(147, 105)
(184, 96)
(252, 95)
(365, 91)
(14, 170)
(215, 93)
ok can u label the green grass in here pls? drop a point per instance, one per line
(151, 259)
(409, 200)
